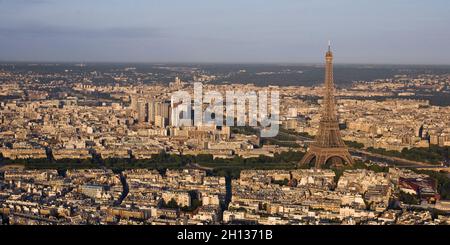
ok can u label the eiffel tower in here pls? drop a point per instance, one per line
(328, 148)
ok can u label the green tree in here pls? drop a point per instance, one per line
(408, 198)
(172, 204)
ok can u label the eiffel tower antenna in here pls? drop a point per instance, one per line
(328, 147)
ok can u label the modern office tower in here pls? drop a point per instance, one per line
(142, 110)
(151, 111)
(159, 113)
(134, 103)
(328, 148)
(157, 108)
(166, 112)
(160, 121)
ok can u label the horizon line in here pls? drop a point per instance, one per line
(3, 62)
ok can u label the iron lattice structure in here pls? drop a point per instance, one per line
(328, 147)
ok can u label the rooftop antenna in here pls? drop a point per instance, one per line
(329, 45)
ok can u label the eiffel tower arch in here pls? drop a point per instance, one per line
(328, 147)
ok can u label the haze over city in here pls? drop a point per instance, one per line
(387, 32)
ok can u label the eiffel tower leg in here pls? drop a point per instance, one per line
(307, 158)
(349, 160)
(320, 160)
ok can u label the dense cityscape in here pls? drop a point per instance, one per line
(175, 121)
(99, 144)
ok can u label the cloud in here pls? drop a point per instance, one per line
(47, 31)
(26, 2)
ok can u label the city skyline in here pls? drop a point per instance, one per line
(106, 147)
(227, 114)
(396, 32)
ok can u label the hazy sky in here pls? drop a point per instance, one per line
(362, 31)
